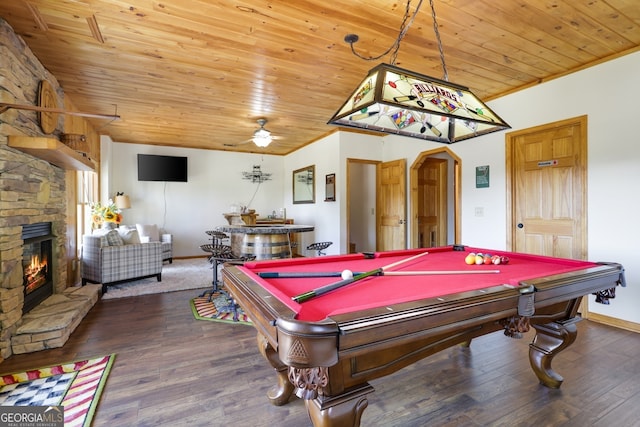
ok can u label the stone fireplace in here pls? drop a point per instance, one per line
(38, 310)
(33, 191)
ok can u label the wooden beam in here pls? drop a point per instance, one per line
(52, 151)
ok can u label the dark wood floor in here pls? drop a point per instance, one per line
(173, 370)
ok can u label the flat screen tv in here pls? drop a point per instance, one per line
(152, 167)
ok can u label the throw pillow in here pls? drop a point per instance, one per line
(149, 231)
(99, 232)
(114, 239)
(130, 236)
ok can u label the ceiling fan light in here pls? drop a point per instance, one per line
(262, 140)
(262, 137)
(262, 133)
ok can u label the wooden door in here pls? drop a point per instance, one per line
(391, 205)
(424, 174)
(432, 203)
(548, 170)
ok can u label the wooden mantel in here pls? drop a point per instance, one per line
(51, 150)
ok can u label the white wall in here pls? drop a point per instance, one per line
(188, 209)
(329, 155)
(320, 214)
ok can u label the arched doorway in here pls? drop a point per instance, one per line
(435, 199)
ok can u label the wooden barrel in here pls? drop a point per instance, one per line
(266, 246)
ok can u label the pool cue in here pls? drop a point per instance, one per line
(299, 274)
(324, 289)
(310, 274)
(402, 261)
(435, 272)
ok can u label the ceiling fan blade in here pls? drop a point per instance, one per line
(235, 144)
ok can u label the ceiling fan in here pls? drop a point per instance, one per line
(261, 137)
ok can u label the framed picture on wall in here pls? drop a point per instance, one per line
(330, 188)
(304, 188)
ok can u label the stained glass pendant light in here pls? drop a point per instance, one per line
(396, 101)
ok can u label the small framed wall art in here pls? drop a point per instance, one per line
(330, 188)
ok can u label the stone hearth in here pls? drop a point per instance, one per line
(50, 323)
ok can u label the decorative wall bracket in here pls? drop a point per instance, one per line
(4, 107)
(256, 175)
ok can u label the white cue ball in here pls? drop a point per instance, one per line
(347, 274)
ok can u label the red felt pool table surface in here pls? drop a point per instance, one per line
(379, 291)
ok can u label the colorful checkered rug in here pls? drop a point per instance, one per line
(76, 386)
(218, 307)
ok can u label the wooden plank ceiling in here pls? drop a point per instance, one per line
(199, 73)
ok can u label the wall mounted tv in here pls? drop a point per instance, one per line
(152, 167)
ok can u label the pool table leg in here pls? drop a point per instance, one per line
(343, 410)
(280, 393)
(551, 339)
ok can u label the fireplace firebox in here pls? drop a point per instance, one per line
(37, 258)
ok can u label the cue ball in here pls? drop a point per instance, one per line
(347, 274)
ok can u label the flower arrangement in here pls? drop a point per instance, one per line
(107, 213)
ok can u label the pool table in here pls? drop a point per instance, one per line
(418, 302)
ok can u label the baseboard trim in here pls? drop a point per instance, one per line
(612, 321)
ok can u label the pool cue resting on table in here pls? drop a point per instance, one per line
(309, 274)
(324, 289)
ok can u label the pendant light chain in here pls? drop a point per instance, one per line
(407, 20)
(435, 29)
(403, 30)
(404, 27)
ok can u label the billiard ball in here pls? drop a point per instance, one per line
(347, 274)
(470, 259)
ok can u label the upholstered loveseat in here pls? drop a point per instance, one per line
(167, 247)
(121, 255)
(149, 233)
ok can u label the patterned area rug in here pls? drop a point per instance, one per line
(218, 307)
(76, 386)
(183, 274)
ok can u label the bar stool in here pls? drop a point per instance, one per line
(220, 254)
(319, 246)
(217, 237)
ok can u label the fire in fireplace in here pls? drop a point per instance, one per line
(35, 273)
(36, 264)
